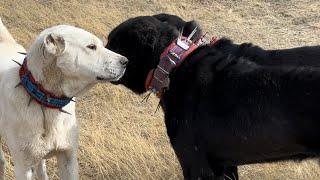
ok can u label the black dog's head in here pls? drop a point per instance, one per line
(180, 24)
(142, 40)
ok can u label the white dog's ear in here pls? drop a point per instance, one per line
(54, 44)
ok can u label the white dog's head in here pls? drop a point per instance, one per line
(74, 57)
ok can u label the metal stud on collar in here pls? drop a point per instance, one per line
(30, 100)
(19, 84)
(192, 34)
(17, 62)
(64, 111)
(23, 53)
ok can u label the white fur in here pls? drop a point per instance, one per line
(8, 49)
(61, 62)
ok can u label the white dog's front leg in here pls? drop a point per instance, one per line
(68, 166)
(2, 163)
(41, 171)
(22, 172)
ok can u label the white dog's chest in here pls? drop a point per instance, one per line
(63, 138)
(42, 146)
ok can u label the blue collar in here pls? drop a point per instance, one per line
(38, 93)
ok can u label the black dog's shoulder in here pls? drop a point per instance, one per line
(246, 50)
(213, 55)
(207, 64)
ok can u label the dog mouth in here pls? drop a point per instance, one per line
(114, 79)
(115, 82)
(100, 78)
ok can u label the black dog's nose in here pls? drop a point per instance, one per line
(124, 61)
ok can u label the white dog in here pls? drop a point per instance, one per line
(63, 62)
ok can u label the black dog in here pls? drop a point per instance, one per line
(226, 106)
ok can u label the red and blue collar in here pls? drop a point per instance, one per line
(158, 79)
(38, 93)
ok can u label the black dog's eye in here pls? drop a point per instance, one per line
(92, 47)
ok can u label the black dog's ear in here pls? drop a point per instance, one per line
(148, 37)
(189, 27)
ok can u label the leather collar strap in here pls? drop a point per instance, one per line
(158, 79)
(38, 93)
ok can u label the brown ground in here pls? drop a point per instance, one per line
(121, 138)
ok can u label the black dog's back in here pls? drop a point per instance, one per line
(301, 56)
(307, 55)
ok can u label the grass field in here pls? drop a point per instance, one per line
(122, 138)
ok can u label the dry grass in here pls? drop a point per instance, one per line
(120, 137)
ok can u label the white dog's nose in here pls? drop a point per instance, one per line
(124, 61)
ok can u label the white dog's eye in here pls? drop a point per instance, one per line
(92, 46)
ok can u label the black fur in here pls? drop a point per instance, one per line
(228, 104)
(180, 25)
